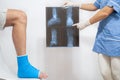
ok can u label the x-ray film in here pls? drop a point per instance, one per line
(60, 32)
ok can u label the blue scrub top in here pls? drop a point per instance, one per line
(108, 36)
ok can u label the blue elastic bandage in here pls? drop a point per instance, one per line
(25, 69)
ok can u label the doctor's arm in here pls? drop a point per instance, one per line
(89, 6)
(100, 15)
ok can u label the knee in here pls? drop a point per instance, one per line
(21, 17)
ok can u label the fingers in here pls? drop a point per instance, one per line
(75, 24)
(66, 4)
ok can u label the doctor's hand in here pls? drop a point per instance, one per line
(83, 25)
(72, 4)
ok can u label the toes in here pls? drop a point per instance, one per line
(43, 75)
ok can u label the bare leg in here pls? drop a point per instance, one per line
(18, 20)
(115, 65)
(105, 67)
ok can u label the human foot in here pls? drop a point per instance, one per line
(26, 70)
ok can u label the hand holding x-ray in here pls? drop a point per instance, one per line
(70, 3)
(81, 25)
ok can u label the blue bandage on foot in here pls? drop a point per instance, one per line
(25, 69)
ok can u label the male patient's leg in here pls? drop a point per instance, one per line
(18, 20)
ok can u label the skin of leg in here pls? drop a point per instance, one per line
(18, 20)
(115, 65)
(105, 67)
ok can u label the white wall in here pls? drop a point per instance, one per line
(60, 63)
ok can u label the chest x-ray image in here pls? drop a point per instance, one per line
(60, 32)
